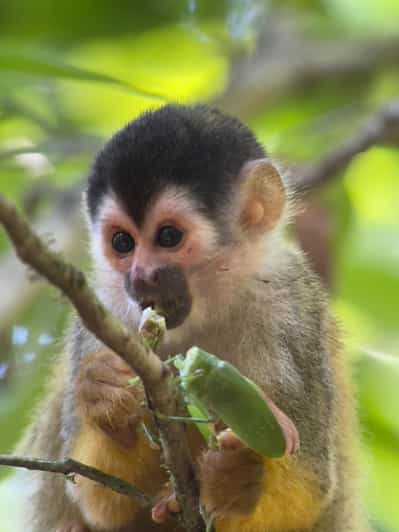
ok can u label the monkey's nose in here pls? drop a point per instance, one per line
(142, 277)
(138, 272)
(144, 286)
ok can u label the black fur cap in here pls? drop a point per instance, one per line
(189, 146)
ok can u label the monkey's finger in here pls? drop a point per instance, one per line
(109, 393)
(108, 357)
(164, 508)
(160, 512)
(117, 363)
(173, 505)
(105, 374)
(107, 362)
(229, 440)
(241, 463)
(290, 431)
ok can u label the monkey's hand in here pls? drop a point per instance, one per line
(109, 409)
(231, 477)
(105, 398)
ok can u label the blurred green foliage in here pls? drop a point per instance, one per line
(73, 72)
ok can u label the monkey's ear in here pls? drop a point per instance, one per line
(262, 197)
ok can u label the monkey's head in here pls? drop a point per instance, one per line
(179, 203)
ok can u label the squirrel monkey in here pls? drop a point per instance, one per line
(185, 213)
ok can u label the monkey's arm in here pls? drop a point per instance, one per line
(109, 413)
(251, 494)
(268, 494)
(247, 492)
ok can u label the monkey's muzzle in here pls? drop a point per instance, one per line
(167, 291)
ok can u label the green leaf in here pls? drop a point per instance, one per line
(50, 67)
(193, 72)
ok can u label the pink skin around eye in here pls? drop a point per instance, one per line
(197, 236)
(113, 221)
(147, 254)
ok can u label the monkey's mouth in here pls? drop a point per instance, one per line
(175, 311)
(169, 295)
(148, 303)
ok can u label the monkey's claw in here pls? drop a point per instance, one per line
(166, 506)
(290, 431)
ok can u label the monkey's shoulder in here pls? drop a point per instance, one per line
(290, 286)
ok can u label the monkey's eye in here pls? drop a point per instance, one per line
(122, 242)
(169, 236)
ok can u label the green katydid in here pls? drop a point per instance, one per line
(216, 388)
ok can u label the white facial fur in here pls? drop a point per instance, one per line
(110, 282)
(214, 282)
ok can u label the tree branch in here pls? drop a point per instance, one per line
(286, 59)
(382, 128)
(156, 376)
(72, 467)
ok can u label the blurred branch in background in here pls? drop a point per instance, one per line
(286, 59)
(380, 129)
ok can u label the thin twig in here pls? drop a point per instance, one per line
(382, 128)
(288, 57)
(70, 467)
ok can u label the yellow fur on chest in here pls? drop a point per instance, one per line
(290, 497)
(290, 500)
(139, 465)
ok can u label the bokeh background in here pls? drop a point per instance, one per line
(307, 75)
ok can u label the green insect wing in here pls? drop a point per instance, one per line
(237, 401)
